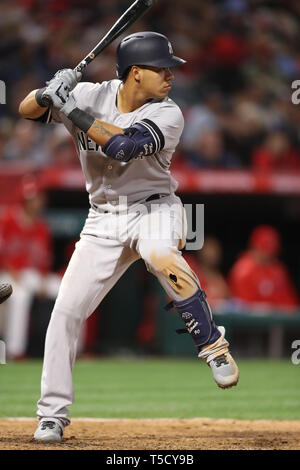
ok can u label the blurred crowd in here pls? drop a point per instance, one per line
(235, 90)
(257, 282)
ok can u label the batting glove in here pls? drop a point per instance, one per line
(56, 93)
(68, 76)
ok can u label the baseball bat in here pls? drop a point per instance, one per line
(133, 13)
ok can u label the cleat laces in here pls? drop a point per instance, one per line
(47, 424)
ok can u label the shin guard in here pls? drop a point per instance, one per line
(197, 317)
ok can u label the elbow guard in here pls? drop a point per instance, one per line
(140, 140)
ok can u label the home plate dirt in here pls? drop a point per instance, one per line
(157, 434)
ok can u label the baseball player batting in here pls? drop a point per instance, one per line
(125, 131)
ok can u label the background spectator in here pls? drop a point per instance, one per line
(208, 152)
(25, 143)
(25, 262)
(259, 279)
(276, 153)
(206, 263)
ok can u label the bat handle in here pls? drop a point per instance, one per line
(46, 100)
(81, 66)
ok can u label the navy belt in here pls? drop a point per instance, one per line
(153, 197)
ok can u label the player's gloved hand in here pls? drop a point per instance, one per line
(59, 87)
(68, 76)
(57, 93)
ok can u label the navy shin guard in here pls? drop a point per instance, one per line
(196, 315)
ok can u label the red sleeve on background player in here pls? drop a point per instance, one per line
(287, 295)
(24, 246)
(240, 279)
(262, 159)
(42, 259)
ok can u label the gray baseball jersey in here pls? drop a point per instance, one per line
(107, 179)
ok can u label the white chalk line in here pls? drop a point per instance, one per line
(101, 420)
(111, 419)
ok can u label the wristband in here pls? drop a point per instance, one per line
(81, 119)
(38, 97)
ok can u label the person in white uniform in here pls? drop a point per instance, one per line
(125, 131)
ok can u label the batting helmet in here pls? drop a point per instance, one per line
(146, 48)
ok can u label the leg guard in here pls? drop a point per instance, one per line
(208, 338)
(197, 317)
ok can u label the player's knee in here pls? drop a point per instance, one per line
(160, 258)
(167, 263)
(156, 256)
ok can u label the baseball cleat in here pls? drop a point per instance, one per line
(224, 369)
(49, 430)
(5, 292)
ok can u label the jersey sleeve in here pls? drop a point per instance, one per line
(51, 115)
(167, 124)
(44, 118)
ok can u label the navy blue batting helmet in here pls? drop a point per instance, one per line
(146, 48)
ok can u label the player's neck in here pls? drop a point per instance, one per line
(129, 98)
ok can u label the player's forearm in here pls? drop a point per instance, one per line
(29, 108)
(100, 132)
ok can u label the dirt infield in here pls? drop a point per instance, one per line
(157, 434)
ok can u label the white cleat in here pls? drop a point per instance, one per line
(224, 369)
(49, 430)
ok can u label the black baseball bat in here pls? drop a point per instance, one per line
(133, 13)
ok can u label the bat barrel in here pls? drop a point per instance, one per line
(134, 12)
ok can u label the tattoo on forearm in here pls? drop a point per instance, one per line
(98, 127)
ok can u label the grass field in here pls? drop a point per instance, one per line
(154, 388)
